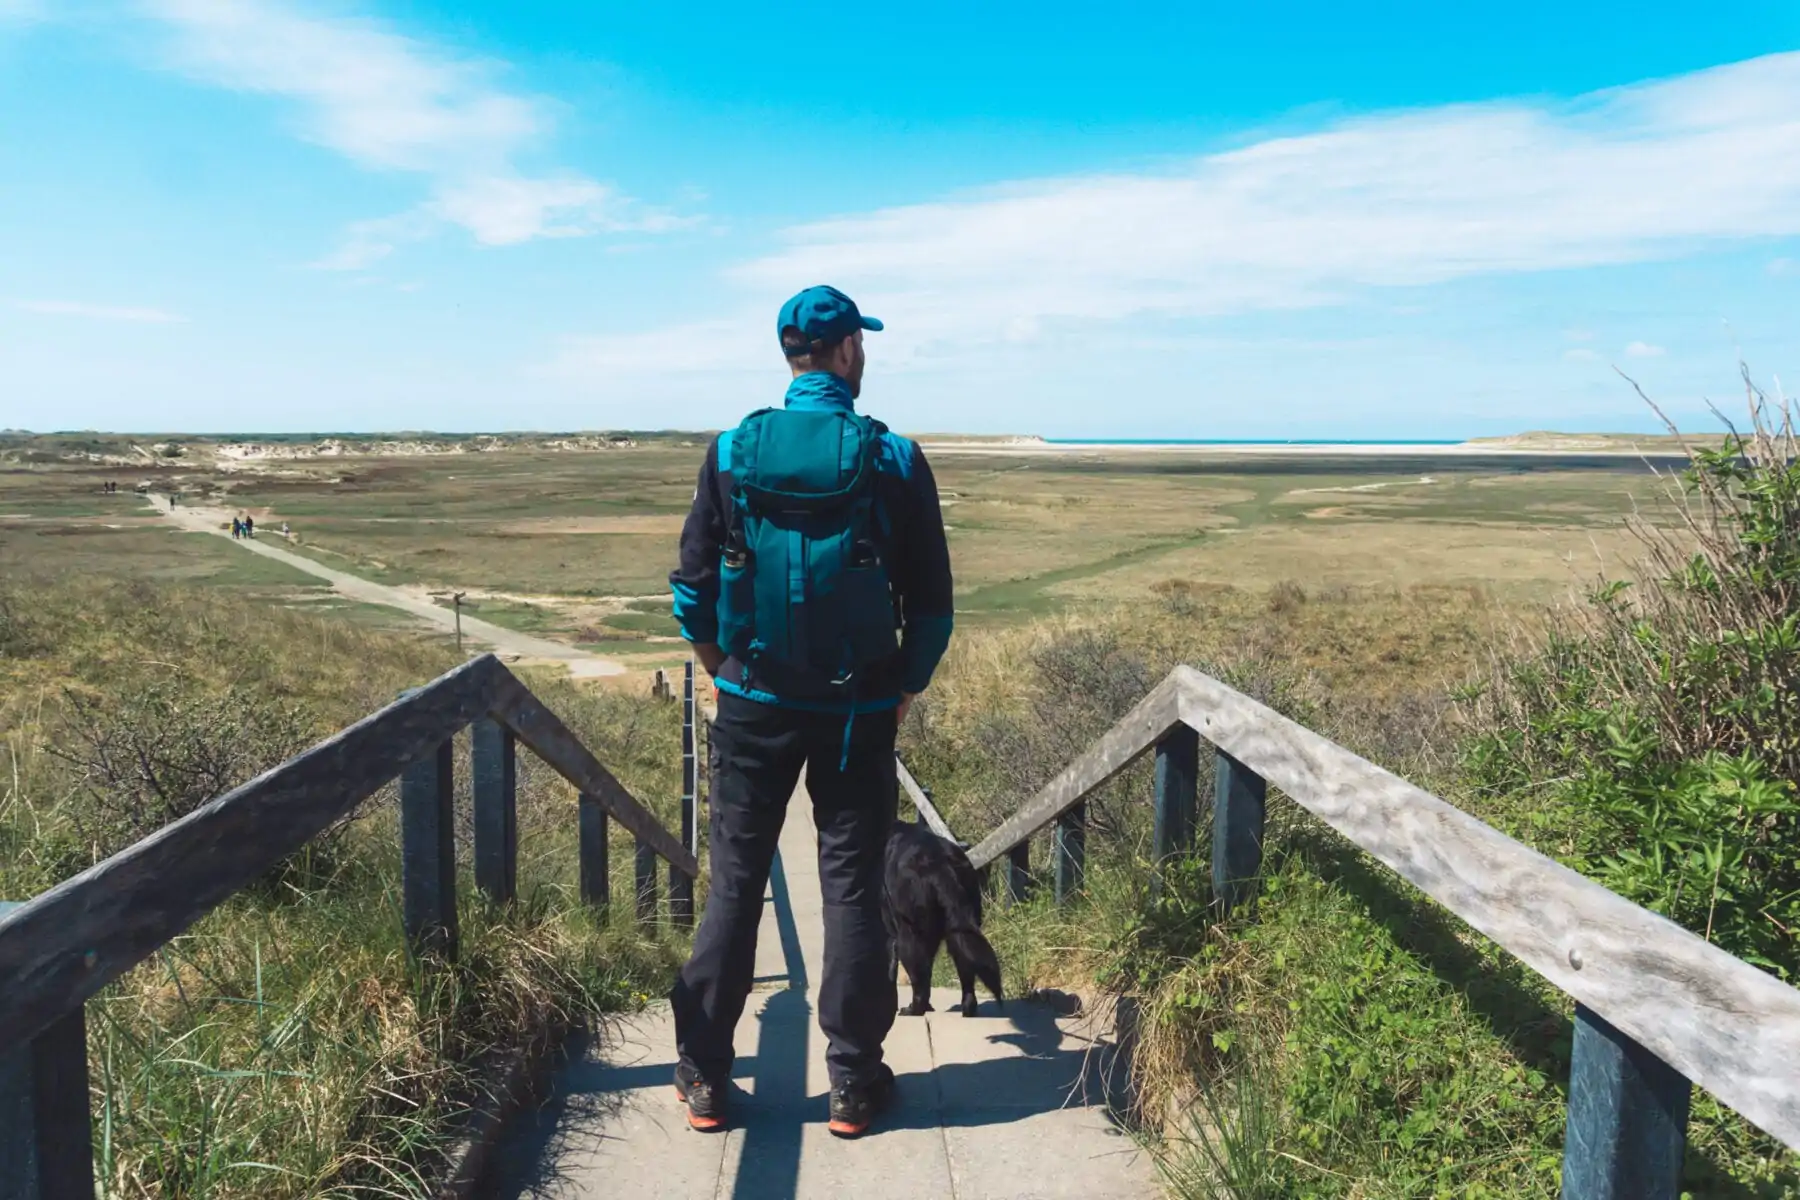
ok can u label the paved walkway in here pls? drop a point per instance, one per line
(998, 1107)
(217, 521)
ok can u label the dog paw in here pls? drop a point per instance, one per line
(969, 1007)
(917, 1009)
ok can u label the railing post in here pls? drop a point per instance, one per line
(1240, 805)
(646, 882)
(596, 873)
(681, 887)
(1177, 796)
(1628, 1112)
(493, 771)
(1018, 872)
(46, 1131)
(428, 852)
(1070, 847)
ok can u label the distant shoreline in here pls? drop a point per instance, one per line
(1660, 448)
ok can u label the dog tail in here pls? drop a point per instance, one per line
(973, 952)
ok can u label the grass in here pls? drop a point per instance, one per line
(583, 534)
(1349, 1041)
(288, 1045)
(1347, 1037)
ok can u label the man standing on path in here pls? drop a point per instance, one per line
(815, 587)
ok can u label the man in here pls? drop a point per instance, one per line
(815, 587)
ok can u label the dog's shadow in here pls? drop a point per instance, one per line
(1004, 1065)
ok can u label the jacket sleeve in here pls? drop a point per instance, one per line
(927, 595)
(695, 581)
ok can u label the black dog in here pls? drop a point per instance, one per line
(933, 896)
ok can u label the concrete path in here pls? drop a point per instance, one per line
(217, 521)
(1003, 1106)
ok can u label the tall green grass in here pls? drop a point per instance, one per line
(1346, 1037)
(288, 1044)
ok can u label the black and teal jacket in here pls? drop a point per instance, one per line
(910, 536)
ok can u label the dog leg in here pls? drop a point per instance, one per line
(966, 974)
(917, 956)
(975, 960)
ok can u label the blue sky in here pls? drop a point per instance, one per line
(1141, 220)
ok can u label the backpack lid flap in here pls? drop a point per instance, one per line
(803, 458)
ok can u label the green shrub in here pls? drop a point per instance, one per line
(1656, 728)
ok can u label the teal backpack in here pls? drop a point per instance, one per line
(804, 597)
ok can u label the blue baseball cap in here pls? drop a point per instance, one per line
(823, 314)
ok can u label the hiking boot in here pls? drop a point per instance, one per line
(705, 1103)
(855, 1105)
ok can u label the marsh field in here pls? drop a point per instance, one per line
(578, 545)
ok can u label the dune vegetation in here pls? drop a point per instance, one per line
(288, 1045)
(1347, 1037)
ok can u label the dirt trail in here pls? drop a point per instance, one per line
(217, 521)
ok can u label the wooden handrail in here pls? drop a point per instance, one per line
(1637, 977)
(1135, 733)
(922, 804)
(64, 945)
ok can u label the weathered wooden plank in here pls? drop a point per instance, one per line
(681, 885)
(546, 736)
(1628, 1111)
(690, 773)
(46, 1134)
(596, 873)
(1720, 1022)
(1018, 872)
(69, 942)
(428, 852)
(1069, 848)
(921, 801)
(1177, 795)
(1152, 717)
(493, 778)
(1240, 807)
(646, 881)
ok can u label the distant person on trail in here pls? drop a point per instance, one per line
(249, 526)
(815, 587)
(237, 529)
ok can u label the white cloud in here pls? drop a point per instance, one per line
(393, 103)
(99, 312)
(1782, 268)
(1651, 171)
(1581, 354)
(1578, 335)
(1644, 350)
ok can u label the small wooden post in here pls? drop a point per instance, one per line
(46, 1131)
(596, 881)
(1177, 809)
(1018, 872)
(681, 887)
(646, 882)
(1628, 1112)
(493, 772)
(1240, 804)
(1070, 847)
(428, 852)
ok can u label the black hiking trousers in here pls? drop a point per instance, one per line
(758, 751)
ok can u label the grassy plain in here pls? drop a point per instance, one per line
(579, 545)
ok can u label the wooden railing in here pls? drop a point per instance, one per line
(1655, 1006)
(65, 945)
